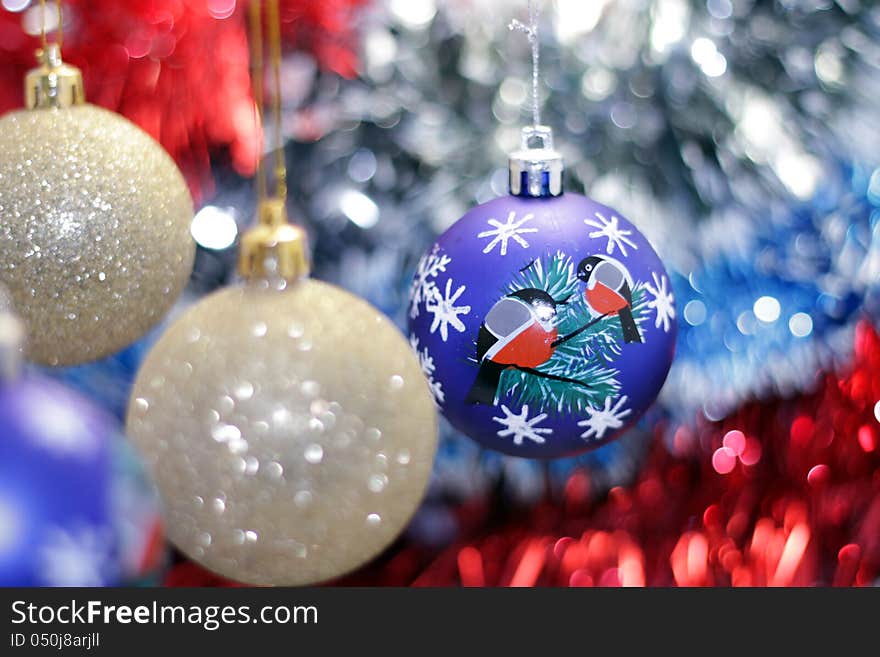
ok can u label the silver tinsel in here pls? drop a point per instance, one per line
(740, 136)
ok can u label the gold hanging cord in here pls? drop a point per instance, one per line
(59, 29)
(274, 247)
(256, 43)
(257, 81)
(275, 53)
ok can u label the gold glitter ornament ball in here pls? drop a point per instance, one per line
(289, 429)
(94, 230)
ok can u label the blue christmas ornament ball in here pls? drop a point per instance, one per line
(545, 324)
(56, 511)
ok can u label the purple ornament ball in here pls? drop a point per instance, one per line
(56, 515)
(545, 325)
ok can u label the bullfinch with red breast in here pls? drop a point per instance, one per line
(519, 332)
(609, 292)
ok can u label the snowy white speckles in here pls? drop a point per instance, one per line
(60, 430)
(503, 233)
(521, 427)
(609, 228)
(75, 557)
(426, 361)
(294, 473)
(446, 312)
(603, 419)
(424, 287)
(663, 302)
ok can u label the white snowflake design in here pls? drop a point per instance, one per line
(79, 557)
(503, 233)
(424, 288)
(609, 228)
(62, 432)
(602, 419)
(663, 302)
(521, 427)
(426, 361)
(446, 312)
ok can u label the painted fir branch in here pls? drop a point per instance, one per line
(586, 358)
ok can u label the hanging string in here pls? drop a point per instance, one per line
(43, 38)
(275, 53)
(257, 77)
(257, 72)
(59, 28)
(59, 32)
(531, 32)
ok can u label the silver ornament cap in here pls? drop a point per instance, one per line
(536, 168)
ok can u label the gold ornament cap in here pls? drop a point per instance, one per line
(53, 83)
(274, 247)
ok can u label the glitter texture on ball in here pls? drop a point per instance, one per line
(289, 429)
(94, 241)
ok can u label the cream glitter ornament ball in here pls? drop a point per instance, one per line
(287, 424)
(94, 222)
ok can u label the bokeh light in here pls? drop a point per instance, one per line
(767, 309)
(214, 228)
(15, 5)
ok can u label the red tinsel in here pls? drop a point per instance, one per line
(177, 68)
(781, 493)
(785, 492)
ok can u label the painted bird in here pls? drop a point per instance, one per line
(518, 332)
(609, 292)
